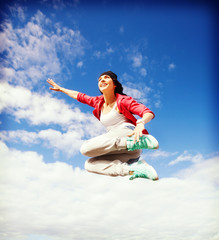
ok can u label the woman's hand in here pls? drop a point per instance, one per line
(137, 133)
(147, 117)
(56, 87)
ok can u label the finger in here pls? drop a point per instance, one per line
(54, 89)
(135, 138)
(50, 81)
(141, 134)
(129, 135)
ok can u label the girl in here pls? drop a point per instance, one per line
(117, 152)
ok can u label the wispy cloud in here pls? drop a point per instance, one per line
(61, 4)
(102, 54)
(48, 200)
(32, 51)
(171, 66)
(158, 154)
(139, 91)
(187, 157)
(18, 11)
(143, 72)
(80, 64)
(205, 171)
(137, 60)
(135, 57)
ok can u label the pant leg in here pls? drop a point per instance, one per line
(110, 142)
(112, 164)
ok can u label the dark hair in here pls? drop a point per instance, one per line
(119, 88)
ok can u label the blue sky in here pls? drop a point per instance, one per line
(164, 57)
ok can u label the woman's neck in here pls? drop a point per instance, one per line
(109, 98)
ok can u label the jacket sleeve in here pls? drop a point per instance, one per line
(137, 108)
(91, 101)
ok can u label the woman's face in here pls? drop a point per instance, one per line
(106, 84)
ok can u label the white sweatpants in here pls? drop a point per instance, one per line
(108, 152)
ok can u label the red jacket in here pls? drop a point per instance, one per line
(126, 105)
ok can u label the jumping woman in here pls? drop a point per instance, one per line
(118, 151)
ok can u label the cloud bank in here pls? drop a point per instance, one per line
(57, 201)
(42, 110)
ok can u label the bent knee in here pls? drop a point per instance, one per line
(86, 165)
(87, 150)
(83, 149)
(89, 166)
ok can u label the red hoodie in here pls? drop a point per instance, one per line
(126, 105)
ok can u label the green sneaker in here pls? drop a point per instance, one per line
(141, 169)
(145, 142)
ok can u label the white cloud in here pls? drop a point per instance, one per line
(186, 156)
(135, 93)
(19, 136)
(55, 201)
(80, 64)
(18, 11)
(37, 108)
(109, 50)
(205, 171)
(143, 72)
(138, 62)
(171, 66)
(32, 51)
(125, 77)
(157, 103)
(68, 142)
(136, 59)
(158, 154)
(140, 92)
(97, 54)
(102, 54)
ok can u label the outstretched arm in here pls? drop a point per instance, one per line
(57, 88)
